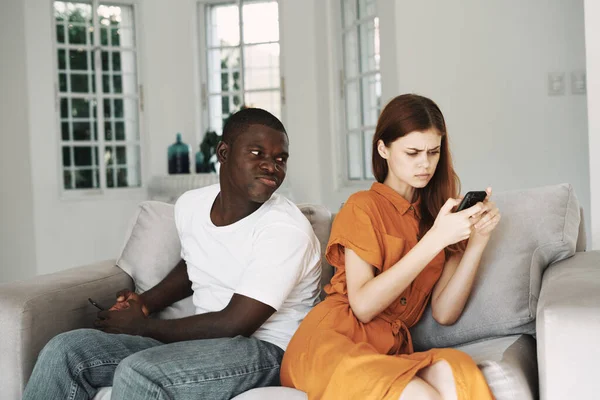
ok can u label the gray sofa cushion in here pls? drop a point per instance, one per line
(539, 227)
(509, 365)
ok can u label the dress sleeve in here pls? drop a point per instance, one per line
(354, 228)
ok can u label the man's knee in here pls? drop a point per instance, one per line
(136, 367)
(66, 344)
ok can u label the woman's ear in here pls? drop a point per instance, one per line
(382, 149)
(222, 152)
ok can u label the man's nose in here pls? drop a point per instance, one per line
(268, 165)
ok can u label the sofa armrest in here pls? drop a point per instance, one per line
(35, 310)
(568, 323)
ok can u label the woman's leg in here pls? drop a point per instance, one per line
(439, 376)
(418, 389)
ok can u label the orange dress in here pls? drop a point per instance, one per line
(335, 356)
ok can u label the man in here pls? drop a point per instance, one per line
(252, 263)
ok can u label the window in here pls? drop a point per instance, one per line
(361, 82)
(97, 91)
(242, 59)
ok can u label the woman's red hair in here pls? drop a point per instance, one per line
(405, 114)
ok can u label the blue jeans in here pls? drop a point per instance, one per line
(73, 365)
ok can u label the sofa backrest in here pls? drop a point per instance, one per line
(539, 227)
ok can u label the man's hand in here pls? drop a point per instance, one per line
(129, 319)
(123, 297)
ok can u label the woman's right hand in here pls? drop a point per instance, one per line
(450, 227)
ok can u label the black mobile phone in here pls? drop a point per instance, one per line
(98, 306)
(471, 198)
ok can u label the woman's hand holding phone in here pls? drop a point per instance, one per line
(487, 219)
(453, 227)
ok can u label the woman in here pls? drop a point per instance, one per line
(395, 247)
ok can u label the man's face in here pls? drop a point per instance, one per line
(258, 162)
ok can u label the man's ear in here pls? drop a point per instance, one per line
(382, 149)
(222, 152)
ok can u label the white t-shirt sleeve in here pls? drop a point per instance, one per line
(280, 255)
(178, 210)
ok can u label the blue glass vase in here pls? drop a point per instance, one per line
(178, 156)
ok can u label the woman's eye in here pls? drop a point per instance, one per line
(412, 154)
(434, 152)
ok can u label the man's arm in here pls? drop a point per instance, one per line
(174, 287)
(242, 316)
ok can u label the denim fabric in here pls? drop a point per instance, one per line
(73, 365)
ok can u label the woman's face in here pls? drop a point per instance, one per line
(412, 160)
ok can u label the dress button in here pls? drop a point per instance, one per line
(403, 301)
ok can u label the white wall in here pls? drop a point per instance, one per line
(68, 232)
(592, 39)
(17, 241)
(486, 65)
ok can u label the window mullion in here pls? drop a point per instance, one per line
(242, 59)
(98, 98)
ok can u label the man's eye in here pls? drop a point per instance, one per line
(281, 159)
(255, 152)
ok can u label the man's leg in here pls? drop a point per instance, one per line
(73, 365)
(200, 369)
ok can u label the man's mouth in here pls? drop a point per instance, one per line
(271, 182)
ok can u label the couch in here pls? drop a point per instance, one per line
(532, 322)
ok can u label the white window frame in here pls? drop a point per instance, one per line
(102, 191)
(202, 46)
(342, 132)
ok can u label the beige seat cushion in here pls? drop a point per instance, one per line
(509, 365)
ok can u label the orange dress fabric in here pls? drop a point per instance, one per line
(335, 356)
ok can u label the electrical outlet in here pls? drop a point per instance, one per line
(556, 83)
(578, 82)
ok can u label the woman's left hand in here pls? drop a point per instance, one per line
(484, 222)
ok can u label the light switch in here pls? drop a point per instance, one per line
(578, 82)
(556, 83)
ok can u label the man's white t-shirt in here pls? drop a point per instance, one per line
(272, 256)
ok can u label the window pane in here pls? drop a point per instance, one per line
(366, 8)
(355, 165)
(224, 66)
(82, 131)
(261, 68)
(221, 107)
(77, 34)
(62, 82)
(352, 105)
(348, 12)
(267, 100)
(68, 179)
(223, 26)
(116, 26)
(78, 59)
(85, 156)
(64, 129)
(351, 53)
(371, 104)
(368, 146)
(64, 108)
(80, 108)
(86, 178)
(66, 156)
(81, 83)
(369, 46)
(260, 21)
(60, 33)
